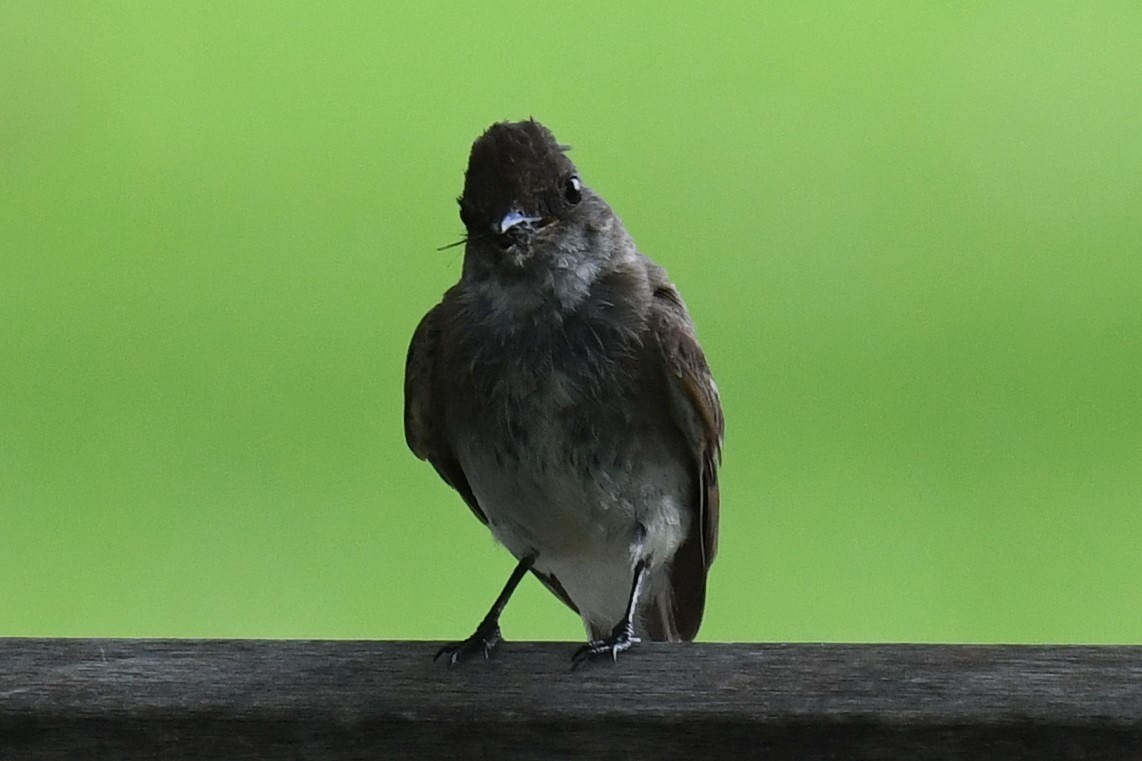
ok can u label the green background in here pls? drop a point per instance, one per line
(910, 235)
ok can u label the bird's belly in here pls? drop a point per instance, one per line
(587, 514)
(543, 504)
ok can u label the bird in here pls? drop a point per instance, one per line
(560, 389)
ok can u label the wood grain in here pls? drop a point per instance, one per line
(254, 699)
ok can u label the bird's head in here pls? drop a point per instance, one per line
(522, 193)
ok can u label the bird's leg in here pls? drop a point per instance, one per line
(622, 636)
(487, 634)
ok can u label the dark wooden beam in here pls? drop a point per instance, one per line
(225, 699)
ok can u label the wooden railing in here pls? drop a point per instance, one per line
(329, 700)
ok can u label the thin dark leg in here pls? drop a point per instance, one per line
(487, 634)
(622, 636)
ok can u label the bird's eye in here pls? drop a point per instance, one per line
(573, 190)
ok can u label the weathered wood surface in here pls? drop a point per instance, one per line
(206, 699)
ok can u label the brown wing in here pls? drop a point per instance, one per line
(423, 424)
(423, 429)
(697, 411)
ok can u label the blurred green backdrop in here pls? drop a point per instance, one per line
(910, 234)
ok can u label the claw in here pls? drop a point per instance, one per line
(622, 638)
(484, 640)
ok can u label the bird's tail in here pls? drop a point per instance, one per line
(659, 623)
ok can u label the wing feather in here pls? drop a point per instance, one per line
(697, 411)
(423, 424)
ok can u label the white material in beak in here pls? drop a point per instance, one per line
(511, 219)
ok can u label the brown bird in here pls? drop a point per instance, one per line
(560, 389)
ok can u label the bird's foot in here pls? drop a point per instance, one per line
(484, 641)
(622, 638)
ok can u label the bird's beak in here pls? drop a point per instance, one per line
(512, 219)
